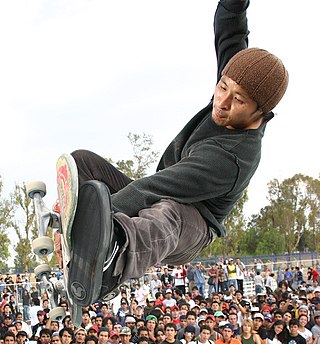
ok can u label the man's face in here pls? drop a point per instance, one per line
(54, 326)
(294, 330)
(130, 324)
(55, 340)
(277, 316)
(233, 319)
(204, 335)
(257, 323)
(85, 318)
(45, 338)
(66, 338)
(21, 339)
(151, 325)
(167, 319)
(40, 318)
(103, 337)
(233, 107)
(170, 333)
(287, 317)
(80, 336)
(9, 340)
(125, 338)
(144, 333)
(227, 334)
(191, 320)
(99, 321)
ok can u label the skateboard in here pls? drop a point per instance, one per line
(67, 187)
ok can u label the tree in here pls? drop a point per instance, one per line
(25, 228)
(143, 156)
(6, 222)
(290, 204)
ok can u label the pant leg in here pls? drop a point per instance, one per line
(168, 232)
(93, 167)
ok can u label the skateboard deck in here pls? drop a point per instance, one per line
(67, 185)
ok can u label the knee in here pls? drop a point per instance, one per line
(81, 154)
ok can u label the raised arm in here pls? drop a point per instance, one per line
(231, 30)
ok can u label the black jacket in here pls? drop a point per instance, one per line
(206, 165)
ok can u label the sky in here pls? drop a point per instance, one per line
(82, 74)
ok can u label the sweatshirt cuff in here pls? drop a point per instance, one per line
(235, 6)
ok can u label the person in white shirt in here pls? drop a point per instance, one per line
(155, 285)
(169, 301)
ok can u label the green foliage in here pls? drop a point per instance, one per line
(6, 222)
(26, 229)
(143, 157)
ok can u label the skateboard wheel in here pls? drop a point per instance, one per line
(43, 269)
(59, 286)
(43, 246)
(57, 313)
(111, 295)
(36, 187)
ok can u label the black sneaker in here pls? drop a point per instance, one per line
(110, 287)
(93, 243)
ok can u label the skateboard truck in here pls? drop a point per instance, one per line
(43, 246)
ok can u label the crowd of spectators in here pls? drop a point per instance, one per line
(190, 304)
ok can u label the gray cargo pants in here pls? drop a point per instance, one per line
(168, 232)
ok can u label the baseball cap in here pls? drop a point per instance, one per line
(94, 328)
(219, 314)
(125, 331)
(151, 317)
(304, 307)
(210, 316)
(266, 308)
(315, 300)
(22, 333)
(317, 290)
(259, 316)
(175, 307)
(203, 310)
(268, 317)
(201, 318)
(151, 299)
(41, 313)
(130, 320)
(316, 314)
(228, 325)
(168, 291)
(114, 333)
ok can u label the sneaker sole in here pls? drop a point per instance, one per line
(92, 230)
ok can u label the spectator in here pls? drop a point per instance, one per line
(258, 283)
(213, 279)
(178, 274)
(125, 335)
(170, 333)
(166, 280)
(232, 274)
(294, 336)
(169, 301)
(227, 335)
(66, 335)
(199, 278)
(247, 334)
(278, 333)
(155, 285)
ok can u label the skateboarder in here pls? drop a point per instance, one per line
(172, 215)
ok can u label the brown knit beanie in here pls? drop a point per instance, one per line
(261, 74)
